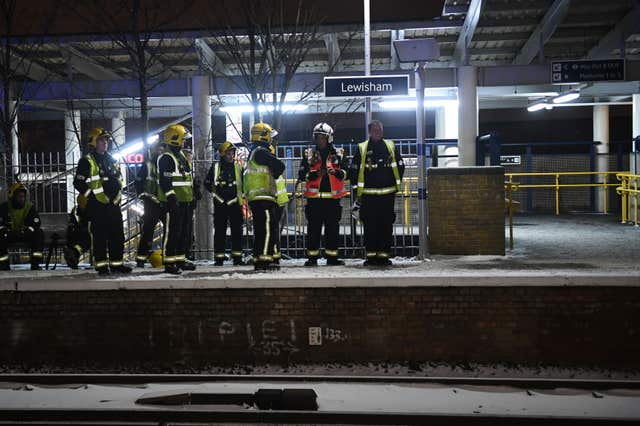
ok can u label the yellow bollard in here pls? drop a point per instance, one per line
(557, 194)
(635, 196)
(406, 195)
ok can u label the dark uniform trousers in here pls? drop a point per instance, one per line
(323, 212)
(223, 215)
(265, 229)
(176, 232)
(35, 240)
(78, 238)
(107, 233)
(277, 255)
(153, 213)
(377, 215)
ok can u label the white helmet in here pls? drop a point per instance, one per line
(323, 129)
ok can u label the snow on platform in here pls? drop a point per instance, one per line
(591, 250)
(350, 397)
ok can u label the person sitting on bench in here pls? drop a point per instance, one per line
(20, 223)
(78, 239)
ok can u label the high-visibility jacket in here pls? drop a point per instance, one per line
(237, 180)
(312, 187)
(259, 183)
(394, 167)
(95, 181)
(15, 219)
(181, 180)
(282, 196)
(151, 181)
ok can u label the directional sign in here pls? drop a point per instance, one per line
(583, 71)
(510, 160)
(374, 85)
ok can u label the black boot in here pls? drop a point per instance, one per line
(187, 266)
(237, 261)
(102, 270)
(4, 266)
(140, 263)
(312, 261)
(334, 261)
(219, 262)
(71, 257)
(120, 269)
(35, 267)
(172, 268)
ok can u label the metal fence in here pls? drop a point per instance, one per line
(49, 180)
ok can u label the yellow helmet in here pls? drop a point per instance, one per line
(18, 186)
(262, 132)
(155, 258)
(95, 134)
(175, 135)
(224, 147)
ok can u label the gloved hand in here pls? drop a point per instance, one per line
(312, 175)
(172, 203)
(355, 210)
(197, 192)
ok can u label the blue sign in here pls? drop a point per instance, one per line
(584, 71)
(373, 85)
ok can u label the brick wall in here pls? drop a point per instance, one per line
(466, 210)
(190, 328)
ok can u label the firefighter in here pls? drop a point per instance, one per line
(98, 179)
(259, 180)
(323, 170)
(78, 239)
(20, 223)
(146, 185)
(175, 192)
(377, 170)
(224, 181)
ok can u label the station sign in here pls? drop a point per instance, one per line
(362, 86)
(134, 158)
(510, 160)
(585, 71)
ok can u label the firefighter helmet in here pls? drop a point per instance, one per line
(175, 135)
(95, 134)
(155, 258)
(323, 129)
(224, 147)
(18, 186)
(262, 132)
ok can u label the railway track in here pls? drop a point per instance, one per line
(175, 413)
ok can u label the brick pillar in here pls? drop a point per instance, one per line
(466, 210)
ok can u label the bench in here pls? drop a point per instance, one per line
(54, 226)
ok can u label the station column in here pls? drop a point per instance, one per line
(467, 115)
(447, 128)
(72, 151)
(202, 160)
(601, 134)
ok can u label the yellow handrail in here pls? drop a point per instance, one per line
(511, 187)
(557, 185)
(628, 191)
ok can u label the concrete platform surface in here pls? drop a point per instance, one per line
(592, 250)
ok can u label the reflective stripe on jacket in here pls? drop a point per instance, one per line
(312, 187)
(394, 167)
(181, 182)
(238, 181)
(95, 181)
(259, 183)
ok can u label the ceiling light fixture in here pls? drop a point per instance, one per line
(566, 97)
